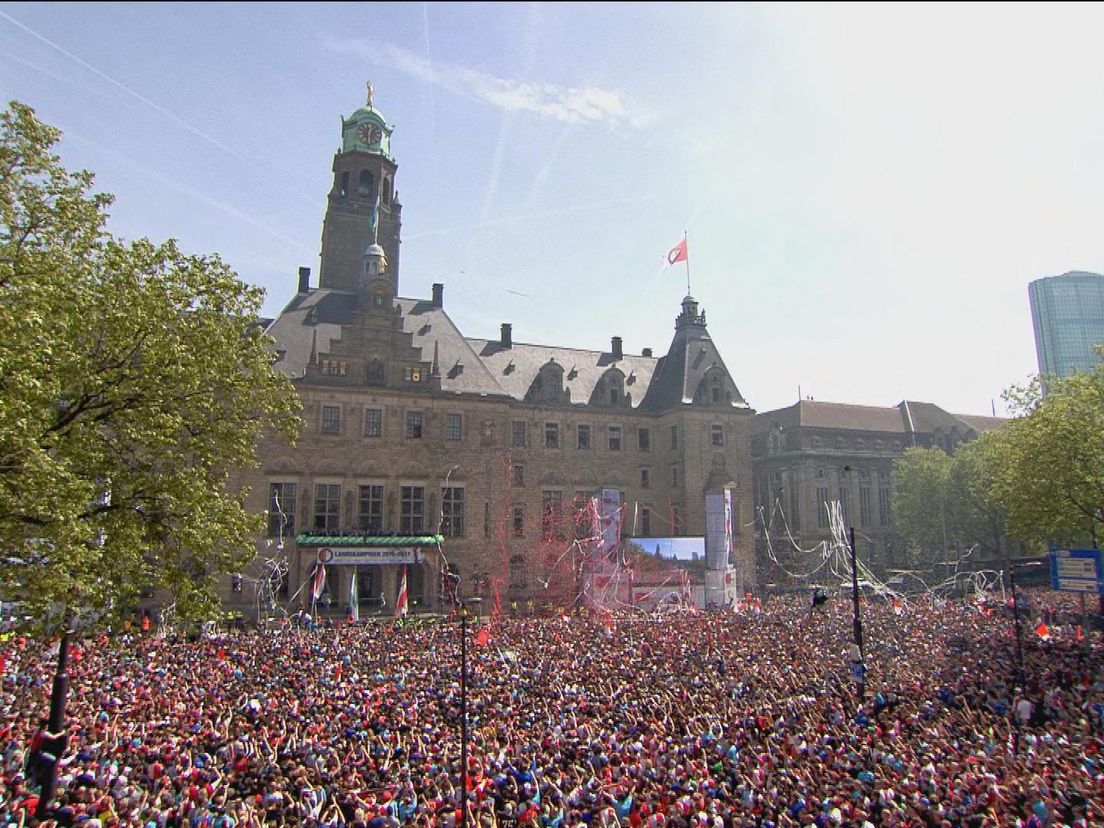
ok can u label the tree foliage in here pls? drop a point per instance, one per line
(1051, 460)
(944, 504)
(921, 503)
(133, 378)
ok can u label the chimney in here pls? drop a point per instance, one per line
(615, 345)
(507, 335)
(438, 295)
(647, 352)
(304, 280)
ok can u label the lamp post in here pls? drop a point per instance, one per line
(464, 708)
(1016, 618)
(55, 736)
(858, 665)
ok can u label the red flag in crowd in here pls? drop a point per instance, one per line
(1043, 631)
(482, 637)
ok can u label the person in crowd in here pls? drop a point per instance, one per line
(618, 719)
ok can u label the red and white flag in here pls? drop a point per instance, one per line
(677, 253)
(318, 581)
(400, 602)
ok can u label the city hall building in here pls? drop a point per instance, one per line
(474, 461)
(472, 465)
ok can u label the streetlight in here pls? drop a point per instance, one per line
(1016, 617)
(56, 738)
(858, 665)
(464, 706)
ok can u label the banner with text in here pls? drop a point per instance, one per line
(369, 555)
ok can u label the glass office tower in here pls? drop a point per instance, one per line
(1068, 314)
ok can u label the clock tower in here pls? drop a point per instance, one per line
(362, 208)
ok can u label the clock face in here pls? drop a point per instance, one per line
(369, 134)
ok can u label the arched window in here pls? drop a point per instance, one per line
(344, 191)
(517, 573)
(385, 192)
(367, 186)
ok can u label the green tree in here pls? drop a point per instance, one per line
(922, 504)
(945, 504)
(133, 378)
(980, 515)
(1051, 460)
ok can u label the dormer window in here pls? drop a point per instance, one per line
(610, 388)
(379, 299)
(548, 384)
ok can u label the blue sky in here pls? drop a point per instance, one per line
(867, 189)
(683, 549)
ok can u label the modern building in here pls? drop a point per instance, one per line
(1067, 312)
(414, 429)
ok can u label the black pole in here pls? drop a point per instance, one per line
(464, 715)
(54, 728)
(1019, 633)
(858, 632)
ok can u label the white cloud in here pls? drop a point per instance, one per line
(570, 104)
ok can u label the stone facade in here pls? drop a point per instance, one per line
(811, 453)
(412, 427)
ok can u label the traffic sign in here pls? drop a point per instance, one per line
(1076, 570)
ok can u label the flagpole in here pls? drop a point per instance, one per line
(687, 260)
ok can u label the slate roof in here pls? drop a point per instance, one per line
(514, 368)
(487, 367)
(295, 331)
(462, 370)
(906, 417)
(981, 423)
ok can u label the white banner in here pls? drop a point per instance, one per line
(368, 555)
(715, 550)
(610, 515)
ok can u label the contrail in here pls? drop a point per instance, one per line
(139, 96)
(210, 201)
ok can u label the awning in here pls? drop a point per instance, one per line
(369, 540)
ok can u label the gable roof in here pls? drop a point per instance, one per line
(462, 371)
(906, 417)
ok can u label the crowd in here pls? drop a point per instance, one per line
(694, 720)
